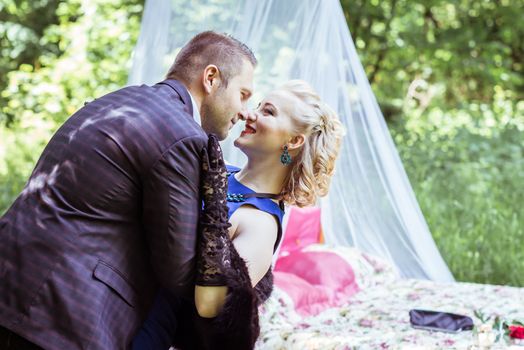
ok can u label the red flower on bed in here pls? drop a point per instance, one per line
(516, 332)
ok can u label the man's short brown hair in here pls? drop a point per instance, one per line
(207, 48)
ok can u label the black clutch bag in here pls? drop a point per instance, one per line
(439, 321)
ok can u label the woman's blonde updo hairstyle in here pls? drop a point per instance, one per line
(313, 165)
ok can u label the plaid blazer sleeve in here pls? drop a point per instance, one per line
(171, 207)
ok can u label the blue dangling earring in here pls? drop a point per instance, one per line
(285, 158)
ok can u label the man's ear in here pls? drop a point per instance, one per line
(211, 78)
(296, 142)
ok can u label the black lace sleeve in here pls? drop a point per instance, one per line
(219, 264)
(213, 244)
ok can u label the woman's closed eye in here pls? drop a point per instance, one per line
(268, 111)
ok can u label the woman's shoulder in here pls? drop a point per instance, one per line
(257, 222)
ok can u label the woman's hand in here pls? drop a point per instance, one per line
(214, 181)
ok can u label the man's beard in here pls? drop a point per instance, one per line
(213, 116)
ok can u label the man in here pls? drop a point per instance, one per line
(110, 212)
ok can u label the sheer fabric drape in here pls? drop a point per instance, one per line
(371, 204)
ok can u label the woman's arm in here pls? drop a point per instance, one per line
(254, 239)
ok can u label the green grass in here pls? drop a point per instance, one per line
(470, 186)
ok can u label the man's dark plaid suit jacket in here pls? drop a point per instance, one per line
(108, 214)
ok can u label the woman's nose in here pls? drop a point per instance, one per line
(247, 115)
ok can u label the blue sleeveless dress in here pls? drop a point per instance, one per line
(263, 204)
(161, 323)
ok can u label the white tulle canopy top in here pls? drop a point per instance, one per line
(371, 204)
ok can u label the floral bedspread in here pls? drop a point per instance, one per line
(377, 317)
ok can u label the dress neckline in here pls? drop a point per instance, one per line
(240, 183)
(249, 190)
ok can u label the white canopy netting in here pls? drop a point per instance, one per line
(371, 204)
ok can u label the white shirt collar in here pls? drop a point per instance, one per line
(196, 112)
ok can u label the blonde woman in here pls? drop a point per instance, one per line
(291, 144)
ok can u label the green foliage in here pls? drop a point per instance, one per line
(22, 25)
(467, 174)
(447, 53)
(449, 78)
(448, 75)
(94, 41)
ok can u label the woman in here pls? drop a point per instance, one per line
(291, 149)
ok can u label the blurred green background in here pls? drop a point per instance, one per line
(447, 74)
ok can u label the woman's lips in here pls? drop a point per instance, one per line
(249, 130)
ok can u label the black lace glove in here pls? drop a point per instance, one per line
(219, 264)
(214, 255)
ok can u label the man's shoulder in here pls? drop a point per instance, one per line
(158, 100)
(166, 110)
(145, 120)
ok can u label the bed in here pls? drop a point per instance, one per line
(373, 312)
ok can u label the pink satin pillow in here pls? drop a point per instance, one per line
(315, 280)
(303, 229)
